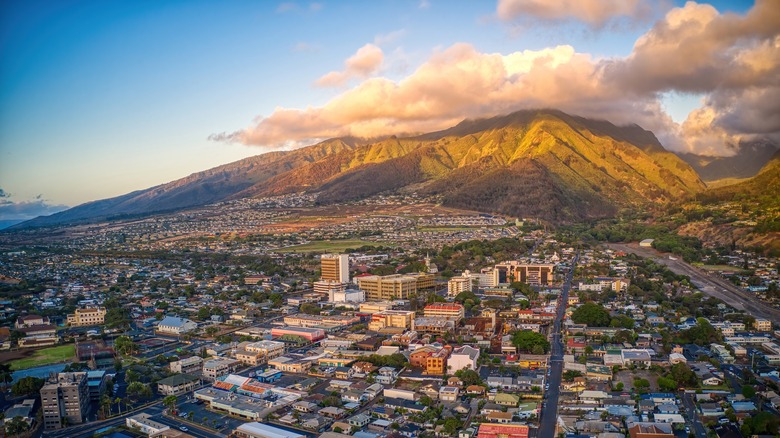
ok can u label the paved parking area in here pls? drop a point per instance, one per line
(214, 420)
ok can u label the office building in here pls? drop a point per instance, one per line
(65, 400)
(87, 317)
(531, 274)
(335, 267)
(388, 287)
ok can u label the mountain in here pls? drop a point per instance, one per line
(540, 163)
(749, 158)
(764, 187)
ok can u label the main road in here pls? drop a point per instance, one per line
(710, 284)
(549, 417)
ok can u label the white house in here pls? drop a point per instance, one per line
(464, 357)
(175, 325)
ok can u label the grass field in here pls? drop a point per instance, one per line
(46, 356)
(720, 268)
(331, 245)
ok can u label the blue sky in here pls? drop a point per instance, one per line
(101, 98)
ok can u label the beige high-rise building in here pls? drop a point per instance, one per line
(335, 267)
(388, 287)
(65, 399)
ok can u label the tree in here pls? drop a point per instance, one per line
(16, 426)
(212, 330)
(748, 391)
(125, 346)
(138, 390)
(170, 402)
(469, 377)
(591, 314)
(667, 384)
(683, 375)
(28, 386)
(526, 340)
(452, 425)
(309, 308)
(619, 386)
(204, 313)
(5, 374)
(570, 375)
(117, 317)
(426, 401)
(641, 383)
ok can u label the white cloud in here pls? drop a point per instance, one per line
(595, 13)
(733, 61)
(362, 64)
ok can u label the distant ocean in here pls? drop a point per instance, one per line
(9, 222)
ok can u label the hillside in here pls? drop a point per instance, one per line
(543, 163)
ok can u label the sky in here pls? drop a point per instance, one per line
(98, 99)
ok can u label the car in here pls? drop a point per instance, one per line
(183, 428)
(687, 429)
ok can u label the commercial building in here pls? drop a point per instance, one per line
(215, 368)
(87, 317)
(143, 423)
(487, 430)
(65, 399)
(260, 352)
(532, 274)
(391, 318)
(763, 325)
(388, 287)
(451, 311)
(190, 365)
(310, 334)
(174, 325)
(335, 267)
(457, 285)
(261, 430)
(177, 384)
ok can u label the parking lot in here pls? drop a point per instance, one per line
(203, 416)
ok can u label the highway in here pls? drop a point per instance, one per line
(549, 416)
(710, 284)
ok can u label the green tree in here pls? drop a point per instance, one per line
(204, 313)
(683, 375)
(667, 384)
(16, 426)
(117, 317)
(170, 402)
(27, 386)
(619, 386)
(526, 340)
(138, 390)
(125, 346)
(5, 374)
(591, 314)
(309, 308)
(452, 425)
(469, 377)
(748, 391)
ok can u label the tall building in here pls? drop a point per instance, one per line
(540, 274)
(65, 400)
(335, 267)
(453, 311)
(88, 316)
(388, 287)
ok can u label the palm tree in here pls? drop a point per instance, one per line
(170, 402)
(118, 402)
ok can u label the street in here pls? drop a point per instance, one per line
(549, 414)
(710, 284)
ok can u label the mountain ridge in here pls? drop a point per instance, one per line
(590, 168)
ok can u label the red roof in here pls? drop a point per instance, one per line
(444, 306)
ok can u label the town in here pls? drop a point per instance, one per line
(379, 323)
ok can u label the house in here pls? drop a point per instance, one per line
(505, 399)
(359, 420)
(176, 326)
(499, 417)
(475, 390)
(305, 406)
(386, 376)
(177, 384)
(449, 393)
(332, 412)
(651, 430)
(675, 358)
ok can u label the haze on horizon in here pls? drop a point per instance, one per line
(102, 98)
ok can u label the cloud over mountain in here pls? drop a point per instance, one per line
(732, 61)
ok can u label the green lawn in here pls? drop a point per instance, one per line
(331, 245)
(46, 356)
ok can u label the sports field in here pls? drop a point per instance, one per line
(45, 356)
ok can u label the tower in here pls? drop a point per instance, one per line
(335, 267)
